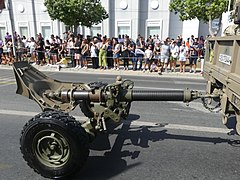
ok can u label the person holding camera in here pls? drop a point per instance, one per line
(194, 51)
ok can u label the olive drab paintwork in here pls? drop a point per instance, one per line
(234, 29)
(98, 101)
(222, 68)
(48, 139)
(236, 12)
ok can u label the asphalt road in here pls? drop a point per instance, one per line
(159, 140)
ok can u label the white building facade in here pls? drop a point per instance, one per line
(132, 17)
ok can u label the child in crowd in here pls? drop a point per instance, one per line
(147, 58)
(153, 67)
(63, 63)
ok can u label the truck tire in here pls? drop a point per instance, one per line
(237, 113)
(54, 144)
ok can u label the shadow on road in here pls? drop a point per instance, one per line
(112, 163)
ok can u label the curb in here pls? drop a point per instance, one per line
(185, 75)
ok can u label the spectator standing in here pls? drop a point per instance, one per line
(140, 51)
(191, 40)
(125, 54)
(84, 53)
(183, 55)
(157, 53)
(93, 52)
(116, 53)
(165, 52)
(174, 55)
(77, 55)
(149, 41)
(32, 45)
(53, 52)
(71, 50)
(188, 43)
(179, 40)
(47, 50)
(201, 40)
(109, 54)
(203, 53)
(194, 51)
(62, 48)
(40, 50)
(147, 58)
(103, 54)
(8, 38)
(133, 56)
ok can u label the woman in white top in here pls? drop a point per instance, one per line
(93, 52)
(174, 49)
(183, 55)
(32, 45)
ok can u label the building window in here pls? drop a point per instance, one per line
(154, 28)
(124, 30)
(46, 32)
(96, 30)
(123, 27)
(23, 31)
(46, 29)
(2, 33)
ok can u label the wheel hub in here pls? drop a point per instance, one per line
(51, 148)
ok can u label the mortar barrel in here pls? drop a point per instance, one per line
(162, 95)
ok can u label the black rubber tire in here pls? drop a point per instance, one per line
(86, 109)
(64, 126)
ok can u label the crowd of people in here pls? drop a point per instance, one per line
(101, 52)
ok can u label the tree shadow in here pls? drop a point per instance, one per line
(112, 163)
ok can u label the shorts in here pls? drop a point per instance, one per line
(173, 58)
(84, 57)
(77, 56)
(116, 56)
(139, 56)
(164, 59)
(157, 56)
(182, 59)
(193, 60)
(146, 60)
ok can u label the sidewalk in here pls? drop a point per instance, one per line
(115, 72)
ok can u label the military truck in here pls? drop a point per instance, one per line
(222, 68)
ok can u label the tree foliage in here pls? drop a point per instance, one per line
(76, 12)
(203, 10)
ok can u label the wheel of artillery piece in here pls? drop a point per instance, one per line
(54, 144)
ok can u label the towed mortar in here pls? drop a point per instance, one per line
(56, 145)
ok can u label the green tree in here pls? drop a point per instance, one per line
(203, 10)
(76, 12)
